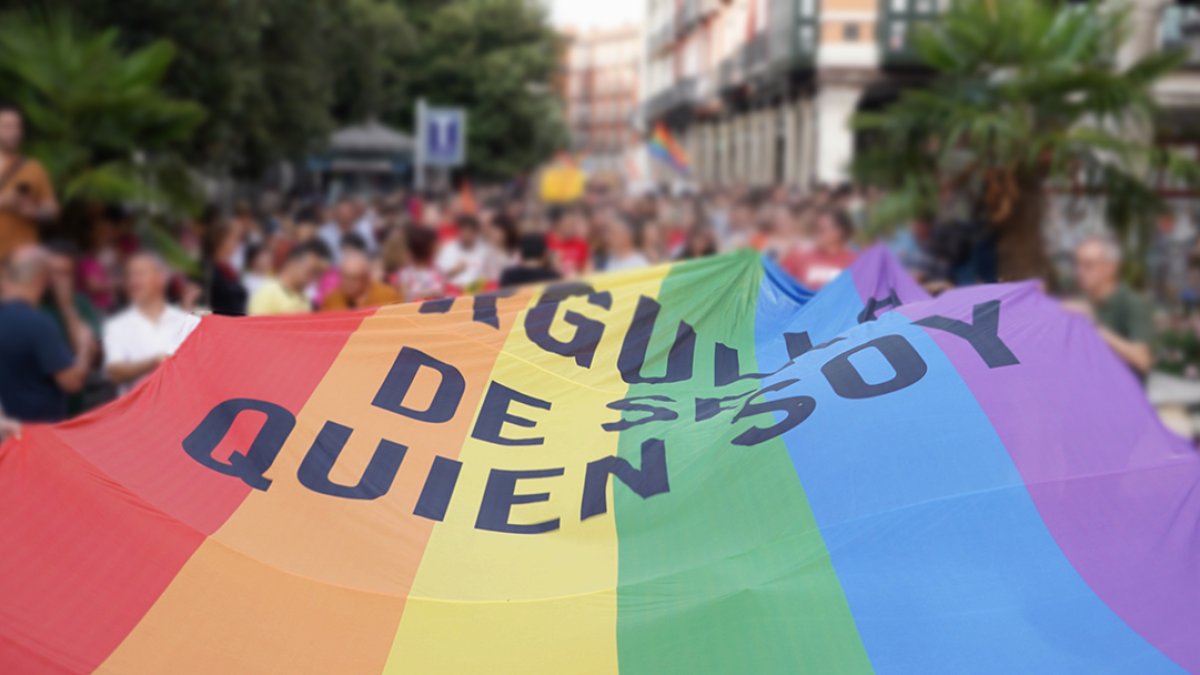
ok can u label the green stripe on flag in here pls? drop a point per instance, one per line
(727, 572)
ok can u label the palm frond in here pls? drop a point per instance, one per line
(91, 107)
(1024, 88)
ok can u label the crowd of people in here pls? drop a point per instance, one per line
(85, 319)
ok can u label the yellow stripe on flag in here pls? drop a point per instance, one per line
(507, 599)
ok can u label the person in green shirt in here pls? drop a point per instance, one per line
(67, 307)
(62, 284)
(1124, 318)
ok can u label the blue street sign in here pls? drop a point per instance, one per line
(444, 137)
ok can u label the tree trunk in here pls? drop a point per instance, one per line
(1021, 246)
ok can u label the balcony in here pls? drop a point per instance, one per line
(692, 13)
(806, 41)
(792, 28)
(688, 92)
(703, 89)
(753, 59)
(659, 104)
(730, 74)
(1180, 29)
(661, 40)
(899, 20)
(756, 55)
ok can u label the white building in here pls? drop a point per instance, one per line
(760, 92)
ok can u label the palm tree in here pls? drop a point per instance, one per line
(1025, 96)
(98, 116)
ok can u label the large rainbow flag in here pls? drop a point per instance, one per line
(696, 468)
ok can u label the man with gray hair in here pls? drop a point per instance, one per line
(138, 339)
(37, 366)
(1124, 318)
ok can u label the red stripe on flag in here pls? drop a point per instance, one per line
(138, 440)
(83, 558)
(98, 516)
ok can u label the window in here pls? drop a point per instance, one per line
(1175, 20)
(807, 38)
(897, 35)
(850, 32)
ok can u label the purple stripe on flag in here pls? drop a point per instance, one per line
(877, 274)
(1118, 491)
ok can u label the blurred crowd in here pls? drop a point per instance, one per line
(84, 319)
(102, 313)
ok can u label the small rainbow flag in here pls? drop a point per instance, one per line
(664, 146)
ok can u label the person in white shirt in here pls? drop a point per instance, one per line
(623, 253)
(138, 339)
(347, 219)
(465, 262)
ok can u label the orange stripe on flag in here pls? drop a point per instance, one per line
(330, 553)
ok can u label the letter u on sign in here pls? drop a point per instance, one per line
(443, 136)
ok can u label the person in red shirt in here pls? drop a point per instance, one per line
(817, 265)
(568, 245)
(441, 220)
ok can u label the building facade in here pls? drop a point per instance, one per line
(601, 90)
(761, 92)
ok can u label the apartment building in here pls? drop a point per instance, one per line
(761, 91)
(601, 89)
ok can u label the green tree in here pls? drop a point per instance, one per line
(276, 76)
(260, 68)
(372, 52)
(98, 115)
(1025, 95)
(498, 59)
